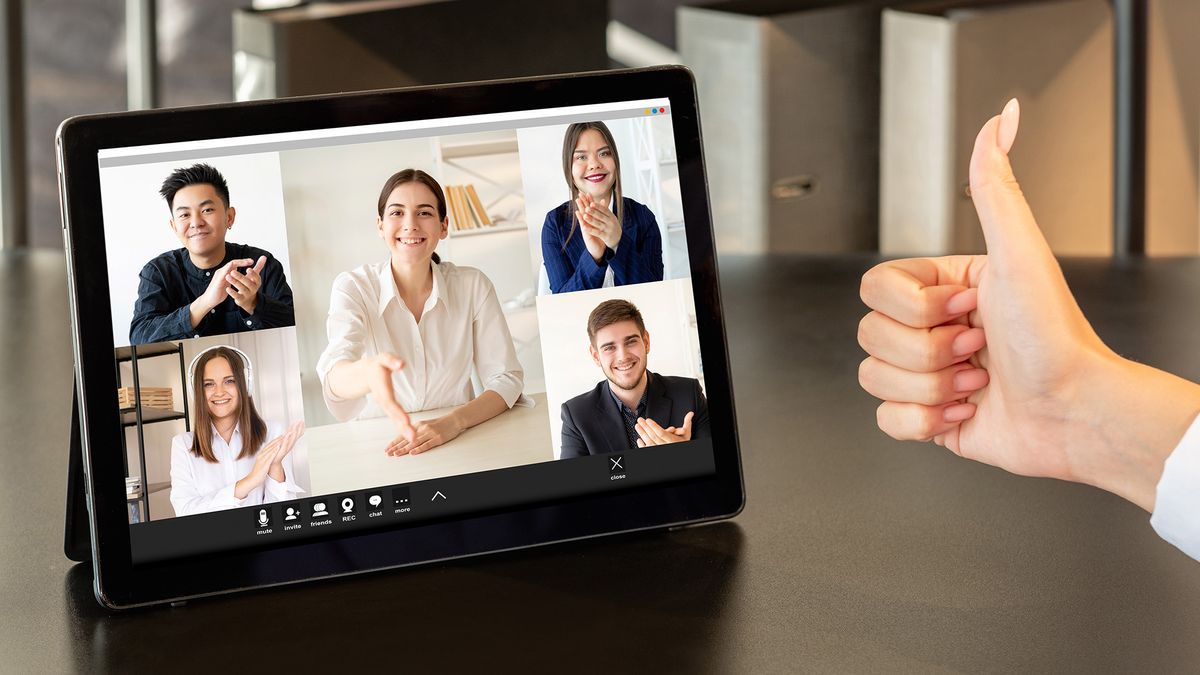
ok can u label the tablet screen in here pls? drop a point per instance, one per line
(514, 285)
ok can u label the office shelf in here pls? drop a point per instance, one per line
(149, 416)
(138, 416)
(490, 229)
(146, 351)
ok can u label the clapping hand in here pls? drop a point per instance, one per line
(219, 286)
(243, 287)
(598, 220)
(268, 461)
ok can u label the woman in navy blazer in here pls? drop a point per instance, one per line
(598, 238)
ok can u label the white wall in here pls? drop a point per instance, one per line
(137, 224)
(331, 196)
(668, 310)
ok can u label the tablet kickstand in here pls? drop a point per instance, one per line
(77, 543)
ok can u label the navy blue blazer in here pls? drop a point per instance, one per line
(570, 267)
(592, 424)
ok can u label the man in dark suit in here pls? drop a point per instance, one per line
(632, 407)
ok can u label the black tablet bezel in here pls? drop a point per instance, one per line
(120, 584)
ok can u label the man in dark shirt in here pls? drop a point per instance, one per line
(632, 407)
(210, 286)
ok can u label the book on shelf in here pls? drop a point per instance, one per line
(460, 221)
(477, 206)
(460, 196)
(466, 208)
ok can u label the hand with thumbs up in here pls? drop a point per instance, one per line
(991, 357)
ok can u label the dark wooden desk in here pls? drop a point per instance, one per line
(855, 553)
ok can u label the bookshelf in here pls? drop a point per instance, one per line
(480, 174)
(138, 416)
(490, 230)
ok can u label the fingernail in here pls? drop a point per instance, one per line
(1010, 119)
(958, 412)
(962, 301)
(967, 342)
(970, 379)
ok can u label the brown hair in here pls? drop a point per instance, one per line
(414, 176)
(613, 311)
(570, 140)
(254, 429)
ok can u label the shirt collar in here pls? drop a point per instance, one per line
(388, 291)
(233, 438)
(621, 404)
(200, 272)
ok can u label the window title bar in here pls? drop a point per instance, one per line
(294, 140)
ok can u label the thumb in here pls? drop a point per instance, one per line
(687, 422)
(262, 261)
(1014, 241)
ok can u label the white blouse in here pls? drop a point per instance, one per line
(199, 486)
(1176, 515)
(462, 327)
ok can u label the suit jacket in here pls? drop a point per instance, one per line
(592, 424)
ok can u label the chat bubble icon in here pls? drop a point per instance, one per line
(375, 500)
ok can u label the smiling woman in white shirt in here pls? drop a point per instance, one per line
(408, 331)
(232, 458)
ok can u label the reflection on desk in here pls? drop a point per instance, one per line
(350, 455)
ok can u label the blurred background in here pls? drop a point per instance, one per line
(830, 126)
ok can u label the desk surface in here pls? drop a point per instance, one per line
(348, 456)
(855, 552)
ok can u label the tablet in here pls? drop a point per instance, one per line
(336, 334)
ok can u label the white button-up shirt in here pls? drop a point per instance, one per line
(462, 327)
(199, 486)
(1177, 503)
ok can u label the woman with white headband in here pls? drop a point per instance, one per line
(231, 458)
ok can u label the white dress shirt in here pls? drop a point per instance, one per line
(200, 486)
(1177, 505)
(462, 327)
